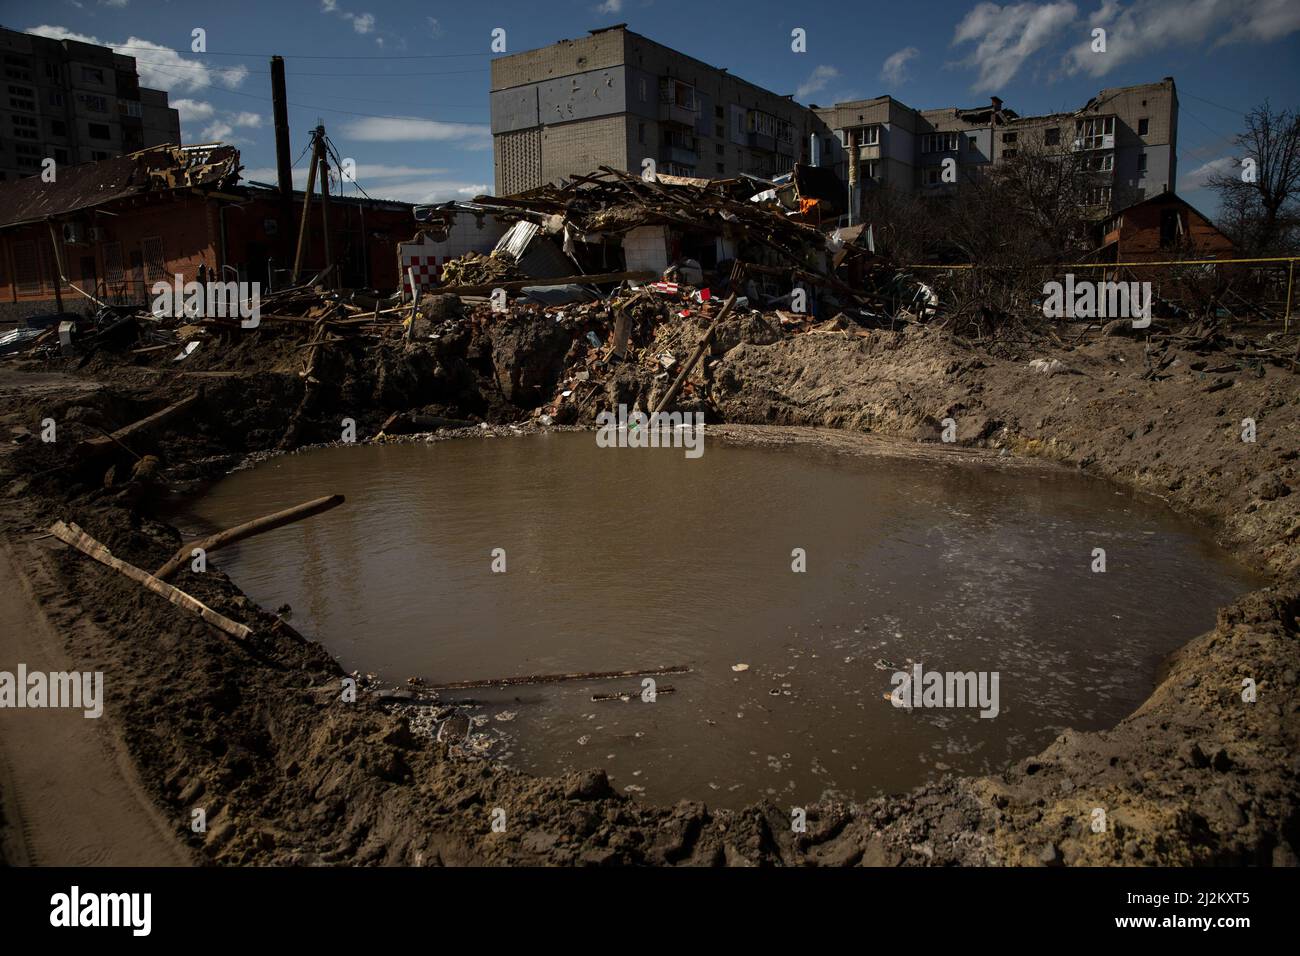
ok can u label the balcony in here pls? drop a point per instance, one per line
(678, 102)
(679, 155)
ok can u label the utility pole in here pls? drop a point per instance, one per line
(318, 148)
(280, 109)
(330, 278)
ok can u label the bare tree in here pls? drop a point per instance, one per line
(1262, 203)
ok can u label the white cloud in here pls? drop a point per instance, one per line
(816, 81)
(1199, 176)
(1006, 36)
(218, 131)
(404, 183)
(119, 4)
(610, 6)
(1145, 26)
(223, 127)
(193, 110)
(160, 67)
(435, 28)
(363, 23)
(894, 72)
(428, 190)
(412, 129)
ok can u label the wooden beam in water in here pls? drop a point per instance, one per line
(557, 678)
(247, 530)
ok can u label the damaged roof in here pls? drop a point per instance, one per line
(85, 186)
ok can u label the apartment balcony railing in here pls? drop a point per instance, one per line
(672, 113)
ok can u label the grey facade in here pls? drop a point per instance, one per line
(1128, 136)
(616, 98)
(74, 103)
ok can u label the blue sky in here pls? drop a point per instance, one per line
(402, 87)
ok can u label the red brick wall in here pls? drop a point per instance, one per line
(182, 225)
(1139, 234)
(189, 228)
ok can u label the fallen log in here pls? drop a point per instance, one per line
(95, 446)
(406, 423)
(247, 530)
(87, 545)
(558, 678)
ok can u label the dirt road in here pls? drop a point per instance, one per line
(69, 793)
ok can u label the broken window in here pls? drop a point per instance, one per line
(98, 131)
(1099, 163)
(155, 267)
(1053, 136)
(113, 271)
(1096, 196)
(1142, 162)
(939, 143)
(1008, 137)
(865, 136)
(1144, 125)
(1092, 133)
(1171, 226)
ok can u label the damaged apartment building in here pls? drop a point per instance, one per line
(1128, 138)
(75, 102)
(615, 98)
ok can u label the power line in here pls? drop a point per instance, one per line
(1235, 112)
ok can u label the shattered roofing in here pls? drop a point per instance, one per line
(76, 188)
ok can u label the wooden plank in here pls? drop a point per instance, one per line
(97, 445)
(557, 678)
(87, 545)
(516, 285)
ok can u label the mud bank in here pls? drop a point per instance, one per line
(288, 774)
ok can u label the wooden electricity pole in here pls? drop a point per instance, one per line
(317, 159)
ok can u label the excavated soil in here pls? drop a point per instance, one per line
(288, 773)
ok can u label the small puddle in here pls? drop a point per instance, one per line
(619, 559)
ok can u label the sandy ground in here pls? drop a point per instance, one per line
(287, 773)
(71, 795)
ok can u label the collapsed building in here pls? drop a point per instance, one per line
(105, 232)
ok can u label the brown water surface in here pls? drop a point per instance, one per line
(621, 558)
